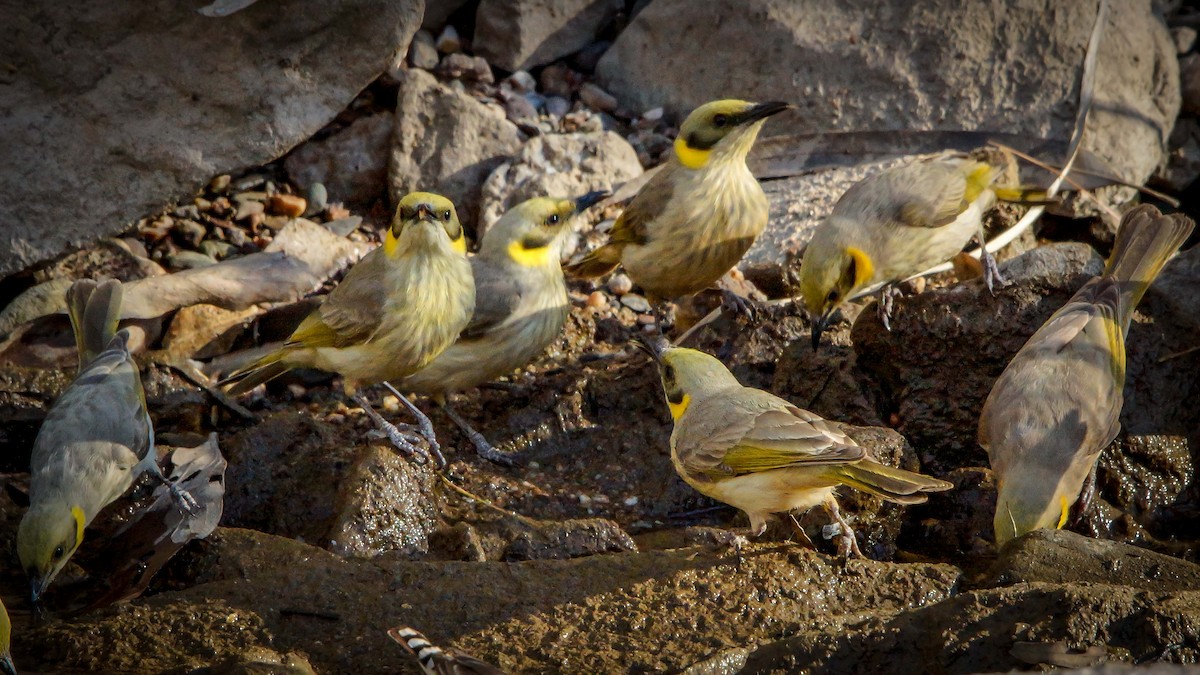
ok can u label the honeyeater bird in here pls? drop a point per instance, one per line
(398, 308)
(97, 439)
(520, 304)
(6, 663)
(693, 221)
(1058, 402)
(755, 451)
(436, 661)
(897, 223)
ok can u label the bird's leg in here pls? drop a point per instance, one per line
(403, 440)
(847, 542)
(738, 305)
(482, 447)
(801, 535)
(1086, 495)
(887, 301)
(424, 426)
(183, 499)
(991, 270)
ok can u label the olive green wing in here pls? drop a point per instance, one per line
(633, 225)
(354, 310)
(497, 296)
(749, 431)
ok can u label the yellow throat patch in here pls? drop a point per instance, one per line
(864, 269)
(677, 409)
(692, 158)
(460, 245)
(530, 257)
(390, 242)
(79, 523)
(1066, 510)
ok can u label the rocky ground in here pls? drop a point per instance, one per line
(587, 553)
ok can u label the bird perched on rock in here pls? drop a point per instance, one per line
(97, 439)
(897, 223)
(435, 661)
(6, 662)
(693, 221)
(755, 451)
(520, 304)
(1058, 403)
(398, 308)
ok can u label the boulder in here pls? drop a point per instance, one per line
(897, 65)
(351, 163)
(445, 141)
(557, 165)
(112, 109)
(1062, 557)
(527, 33)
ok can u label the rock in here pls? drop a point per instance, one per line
(351, 164)
(1061, 557)
(636, 302)
(422, 52)
(448, 41)
(585, 59)
(596, 98)
(559, 540)
(563, 165)
(386, 503)
(87, 115)
(460, 66)
(1184, 38)
(620, 284)
(445, 142)
(1189, 81)
(317, 197)
(1183, 163)
(976, 632)
(437, 12)
(521, 35)
(521, 82)
(343, 226)
(867, 65)
(189, 260)
(557, 106)
(557, 79)
(292, 206)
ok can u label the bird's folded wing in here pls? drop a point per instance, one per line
(354, 310)
(497, 296)
(632, 227)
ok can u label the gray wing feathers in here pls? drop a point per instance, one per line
(497, 296)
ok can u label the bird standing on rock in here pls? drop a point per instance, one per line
(96, 441)
(403, 304)
(1058, 403)
(693, 221)
(897, 223)
(520, 304)
(755, 451)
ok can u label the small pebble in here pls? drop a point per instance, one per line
(318, 198)
(596, 98)
(653, 115)
(187, 211)
(192, 232)
(456, 66)
(335, 418)
(390, 404)
(297, 390)
(597, 300)
(217, 249)
(248, 208)
(630, 501)
(248, 182)
(559, 80)
(291, 206)
(250, 196)
(219, 183)
(202, 203)
(620, 284)
(343, 226)
(1184, 38)
(482, 71)
(636, 302)
(335, 211)
(557, 106)
(449, 42)
(422, 52)
(521, 82)
(188, 260)
(646, 319)
(221, 206)
(518, 108)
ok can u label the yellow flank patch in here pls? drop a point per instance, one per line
(389, 243)
(864, 269)
(78, 514)
(692, 158)
(1066, 509)
(677, 409)
(529, 257)
(460, 245)
(978, 180)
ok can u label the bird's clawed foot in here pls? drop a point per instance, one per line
(405, 438)
(991, 269)
(738, 305)
(482, 447)
(887, 302)
(847, 542)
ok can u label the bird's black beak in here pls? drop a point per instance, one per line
(590, 199)
(818, 326)
(426, 212)
(762, 111)
(37, 587)
(653, 345)
(6, 665)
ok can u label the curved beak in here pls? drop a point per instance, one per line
(818, 326)
(590, 199)
(762, 111)
(654, 346)
(37, 587)
(426, 212)
(6, 665)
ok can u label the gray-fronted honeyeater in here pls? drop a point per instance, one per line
(1058, 402)
(97, 439)
(436, 661)
(693, 221)
(398, 308)
(6, 663)
(520, 304)
(897, 223)
(755, 451)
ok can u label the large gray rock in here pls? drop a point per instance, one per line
(558, 165)
(446, 142)
(109, 110)
(522, 34)
(1062, 557)
(351, 164)
(934, 64)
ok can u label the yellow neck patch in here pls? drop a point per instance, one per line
(864, 269)
(978, 179)
(460, 244)
(692, 158)
(1066, 509)
(390, 242)
(530, 257)
(79, 524)
(677, 409)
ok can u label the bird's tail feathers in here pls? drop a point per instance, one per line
(95, 310)
(1146, 240)
(894, 485)
(261, 371)
(597, 263)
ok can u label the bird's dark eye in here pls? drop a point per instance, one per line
(446, 216)
(832, 297)
(58, 553)
(720, 120)
(552, 220)
(669, 373)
